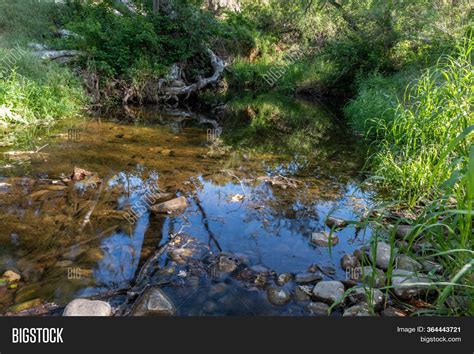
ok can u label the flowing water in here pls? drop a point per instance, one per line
(70, 239)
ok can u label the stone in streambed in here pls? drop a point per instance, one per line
(382, 257)
(10, 276)
(308, 278)
(407, 263)
(318, 309)
(359, 295)
(173, 205)
(324, 239)
(302, 293)
(278, 296)
(154, 302)
(407, 284)
(87, 308)
(336, 222)
(284, 278)
(328, 291)
(349, 261)
(360, 310)
(26, 305)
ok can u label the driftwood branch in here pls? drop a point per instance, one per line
(175, 91)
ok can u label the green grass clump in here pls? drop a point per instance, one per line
(422, 143)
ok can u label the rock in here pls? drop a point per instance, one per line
(318, 309)
(349, 261)
(362, 254)
(324, 239)
(173, 205)
(382, 257)
(308, 278)
(226, 264)
(407, 263)
(360, 310)
(284, 278)
(87, 308)
(367, 276)
(26, 305)
(328, 291)
(10, 276)
(422, 246)
(430, 266)
(217, 289)
(63, 264)
(332, 221)
(260, 269)
(404, 287)
(367, 295)
(79, 174)
(392, 312)
(302, 293)
(27, 293)
(154, 302)
(278, 296)
(402, 231)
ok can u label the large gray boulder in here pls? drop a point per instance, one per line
(87, 308)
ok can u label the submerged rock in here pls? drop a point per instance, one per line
(170, 206)
(278, 296)
(87, 308)
(308, 278)
(302, 293)
(328, 291)
(332, 221)
(324, 239)
(349, 261)
(407, 284)
(26, 305)
(154, 302)
(284, 278)
(10, 276)
(318, 309)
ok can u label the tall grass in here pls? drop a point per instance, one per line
(33, 93)
(422, 147)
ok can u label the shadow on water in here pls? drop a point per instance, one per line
(70, 238)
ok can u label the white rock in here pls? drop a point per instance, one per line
(87, 308)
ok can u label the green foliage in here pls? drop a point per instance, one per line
(33, 93)
(423, 144)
